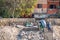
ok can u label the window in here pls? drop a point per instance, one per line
(39, 5)
(52, 6)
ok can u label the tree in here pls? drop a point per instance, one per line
(5, 7)
(24, 7)
(18, 8)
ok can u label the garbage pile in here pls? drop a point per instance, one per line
(30, 24)
(30, 35)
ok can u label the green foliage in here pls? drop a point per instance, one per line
(3, 12)
(16, 8)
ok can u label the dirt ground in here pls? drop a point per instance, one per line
(11, 33)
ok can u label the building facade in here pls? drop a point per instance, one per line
(46, 6)
(52, 6)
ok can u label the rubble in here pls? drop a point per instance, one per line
(9, 33)
(56, 32)
(30, 35)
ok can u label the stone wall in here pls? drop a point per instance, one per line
(8, 21)
(54, 21)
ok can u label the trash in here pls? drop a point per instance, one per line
(20, 26)
(28, 24)
(35, 26)
(31, 35)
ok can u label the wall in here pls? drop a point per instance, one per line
(10, 21)
(52, 11)
(44, 7)
(4, 21)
